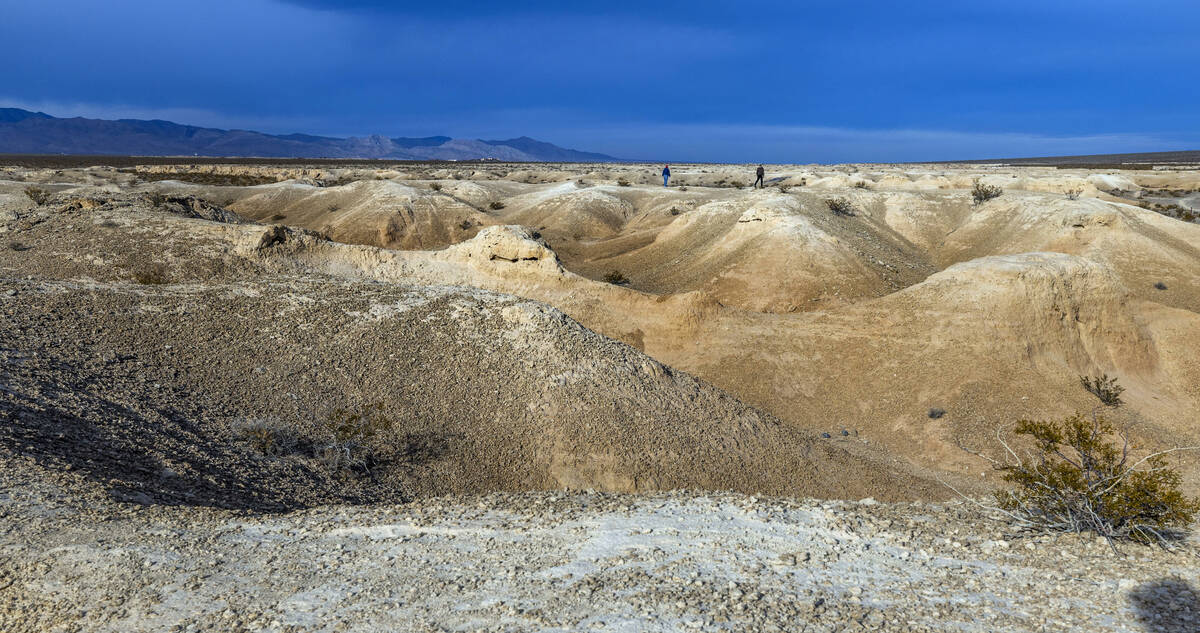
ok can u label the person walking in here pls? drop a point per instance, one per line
(666, 174)
(759, 182)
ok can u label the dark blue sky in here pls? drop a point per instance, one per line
(718, 81)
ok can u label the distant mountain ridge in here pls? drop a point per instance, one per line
(25, 132)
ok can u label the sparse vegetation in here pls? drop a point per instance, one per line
(152, 274)
(267, 437)
(936, 413)
(203, 178)
(737, 184)
(862, 184)
(496, 205)
(1158, 285)
(465, 225)
(1104, 388)
(1177, 211)
(622, 182)
(840, 206)
(436, 186)
(157, 198)
(38, 195)
(616, 278)
(982, 192)
(1074, 479)
(1074, 193)
(346, 449)
(674, 211)
(784, 188)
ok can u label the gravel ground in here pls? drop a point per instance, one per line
(572, 562)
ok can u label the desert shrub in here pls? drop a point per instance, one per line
(683, 188)
(615, 277)
(737, 184)
(936, 413)
(496, 205)
(436, 186)
(38, 195)
(1158, 285)
(1104, 388)
(537, 235)
(674, 211)
(157, 198)
(784, 188)
(333, 208)
(982, 192)
(580, 183)
(152, 274)
(1074, 193)
(277, 217)
(1075, 479)
(465, 225)
(348, 435)
(862, 184)
(840, 206)
(622, 182)
(267, 437)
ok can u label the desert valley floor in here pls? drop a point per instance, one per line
(510, 397)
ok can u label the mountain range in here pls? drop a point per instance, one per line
(26, 132)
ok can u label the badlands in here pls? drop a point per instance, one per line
(509, 397)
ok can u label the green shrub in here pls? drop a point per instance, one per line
(616, 278)
(840, 206)
(38, 195)
(1076, 480)
(981, 192)
(1104, 388)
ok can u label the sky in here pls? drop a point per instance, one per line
(748, 81)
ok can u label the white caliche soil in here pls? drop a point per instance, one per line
(573, 562)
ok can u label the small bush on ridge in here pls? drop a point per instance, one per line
(983, 192)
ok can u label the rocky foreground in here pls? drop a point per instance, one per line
(572, 562)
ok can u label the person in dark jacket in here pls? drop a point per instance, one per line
(666, 174)
(761, 172)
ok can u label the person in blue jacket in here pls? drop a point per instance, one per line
(666, 174)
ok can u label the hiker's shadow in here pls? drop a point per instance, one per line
(1167, 606)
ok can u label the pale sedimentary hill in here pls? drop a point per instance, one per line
(228, 368)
